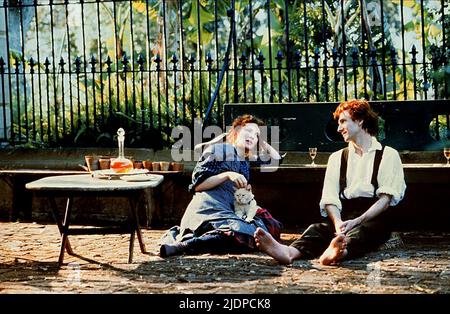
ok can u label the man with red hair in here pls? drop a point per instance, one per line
(365, 175)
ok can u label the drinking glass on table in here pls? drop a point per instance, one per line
(312, 154)
(447, 154)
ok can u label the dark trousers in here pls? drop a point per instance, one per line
(362, 239)
(218, 242)
(214, 243)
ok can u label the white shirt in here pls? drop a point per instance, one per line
(359, 176)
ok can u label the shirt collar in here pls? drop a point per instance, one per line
(373, 147)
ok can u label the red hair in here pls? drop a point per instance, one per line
(240, 122)
(359, 109)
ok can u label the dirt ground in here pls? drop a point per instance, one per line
(29, 253)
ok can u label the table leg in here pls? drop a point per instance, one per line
(66, 229)
(130, 250)
(135, 227)
(63, 227)
(59, 223)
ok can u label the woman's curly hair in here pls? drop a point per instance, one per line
(240, 122)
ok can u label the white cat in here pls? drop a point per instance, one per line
(244, 204)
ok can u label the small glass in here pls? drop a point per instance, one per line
(447, 155)
(312, 154)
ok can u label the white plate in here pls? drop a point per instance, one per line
(141, 177)
(109, 173)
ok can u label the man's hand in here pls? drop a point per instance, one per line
(335, 216)
(338, 226)
(348, 225)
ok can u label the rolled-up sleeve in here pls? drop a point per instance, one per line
(206, 167)
(215, 159)
(391, 178)
(330, 191)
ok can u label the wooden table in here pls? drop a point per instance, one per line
(71, 186)
(21, 198)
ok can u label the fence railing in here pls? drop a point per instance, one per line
(72, 72)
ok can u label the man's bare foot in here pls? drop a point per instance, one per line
(282, 253)
(335, 252)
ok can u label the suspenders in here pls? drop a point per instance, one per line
(343, 172)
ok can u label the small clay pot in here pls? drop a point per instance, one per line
(156, 166)
(91, 163)
(105, 163)
(165, 165)
(137, 164)
(147, 165)
(177, 166)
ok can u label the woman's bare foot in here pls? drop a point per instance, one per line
(336, 251)
(282, 253)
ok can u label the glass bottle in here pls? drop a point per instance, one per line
(121, 164)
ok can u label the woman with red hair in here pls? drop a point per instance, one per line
(209, 224)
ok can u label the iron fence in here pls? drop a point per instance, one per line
(73, 71)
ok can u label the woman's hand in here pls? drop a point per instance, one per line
(237, 178)
(263, 146)
(266, 148)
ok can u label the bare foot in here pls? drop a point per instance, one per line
(282, 253)
(336, 251)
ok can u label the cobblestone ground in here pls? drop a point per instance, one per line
(29, 251)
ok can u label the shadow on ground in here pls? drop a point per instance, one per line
(29, 254)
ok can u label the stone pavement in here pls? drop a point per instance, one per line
(29, 253)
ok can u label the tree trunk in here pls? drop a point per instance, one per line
(19, 20)
(14, 24)
(4, 84)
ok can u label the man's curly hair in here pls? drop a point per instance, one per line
(359, 109)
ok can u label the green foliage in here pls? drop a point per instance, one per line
(135, 28)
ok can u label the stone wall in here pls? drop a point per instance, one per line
(291, 193)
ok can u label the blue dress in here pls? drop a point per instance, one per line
(213, 210)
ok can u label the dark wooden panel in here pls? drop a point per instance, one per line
(304, 125)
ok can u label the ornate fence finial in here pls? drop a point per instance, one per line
(93, 62)
(77, 65)
(61, 64)
(47, 65)
(108, 64)
(140, 61)
(32, 64)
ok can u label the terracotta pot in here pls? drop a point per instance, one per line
(91, 163)
(137, 164)
(147, 165)
(177, 166)
(105, 163)
(165, 165)
(155, 166)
